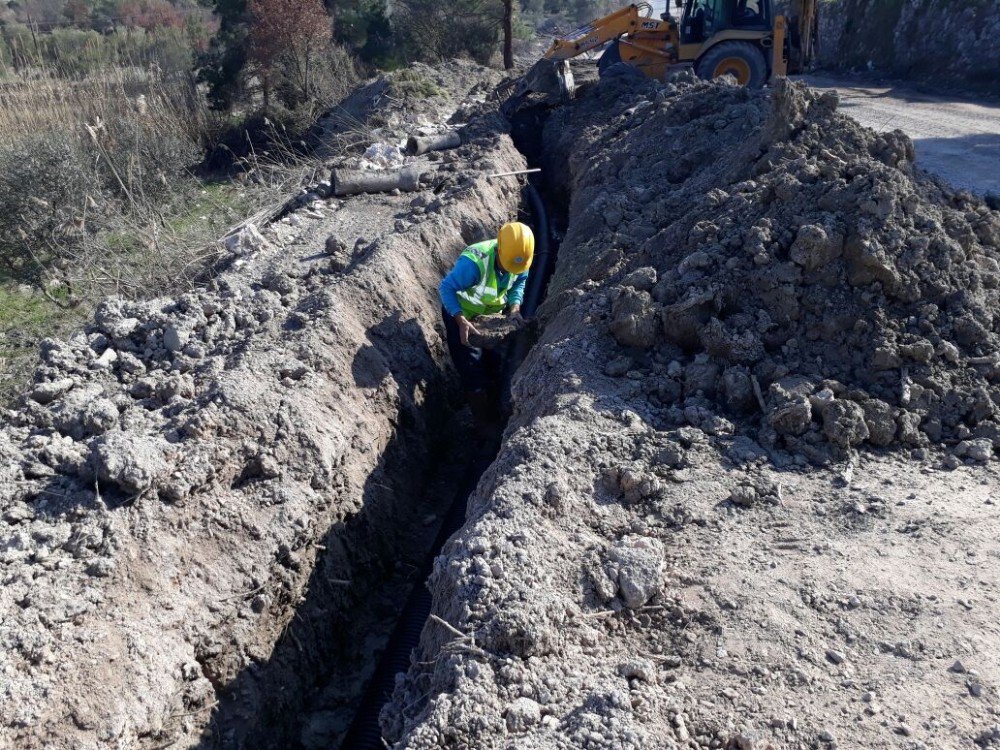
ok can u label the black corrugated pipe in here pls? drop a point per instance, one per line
(539, 278)
(364, 732)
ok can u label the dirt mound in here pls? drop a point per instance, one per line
(414, 100)
(768, 251)
(637, 570)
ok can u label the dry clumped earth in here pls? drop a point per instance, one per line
(747, 498)
(180, 470)
(800, 252)
(416, 100)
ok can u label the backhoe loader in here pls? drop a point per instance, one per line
(747, 39)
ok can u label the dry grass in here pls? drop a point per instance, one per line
(138, 214)
(41, 101)
(99, 141)
(97, 197)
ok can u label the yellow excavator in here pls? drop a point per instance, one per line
(751, 40)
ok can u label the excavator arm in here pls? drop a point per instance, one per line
(628, 20)
(552, 75)
(805, 16)
(795, 38)
(654, 45)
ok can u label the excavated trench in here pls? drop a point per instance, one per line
(290, 587)
(286, 445)
(336, 663)
(308, 689)
(354, 669)
(365, 732)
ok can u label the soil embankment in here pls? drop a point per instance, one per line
(745, 497)
(211, 503)
(744, 501)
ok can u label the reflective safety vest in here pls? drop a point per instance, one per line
(487, 297)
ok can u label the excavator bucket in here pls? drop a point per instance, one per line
(551, 78)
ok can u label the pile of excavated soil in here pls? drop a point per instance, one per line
(202, 497)
(767, 250)
(415, 100)
(646, 565)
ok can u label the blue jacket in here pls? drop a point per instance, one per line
(465, 275)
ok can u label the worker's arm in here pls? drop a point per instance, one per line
(463, 276)
(515, 296)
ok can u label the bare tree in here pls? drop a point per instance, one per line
(286, 37)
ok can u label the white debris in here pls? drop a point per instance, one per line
(379, 156)
(246, 239)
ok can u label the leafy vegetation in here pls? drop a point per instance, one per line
(411, 84)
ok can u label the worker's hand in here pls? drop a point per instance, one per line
(464, 329)
(514, 315)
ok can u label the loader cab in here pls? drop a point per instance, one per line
(752, 14)
(703, 19)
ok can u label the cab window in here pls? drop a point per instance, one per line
(750, 13)
(702, 18)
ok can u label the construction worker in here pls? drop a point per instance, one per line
(488, 278)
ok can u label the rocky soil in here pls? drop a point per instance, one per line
(416, 100)
(747, 498)
(939, 41)
(201, 495)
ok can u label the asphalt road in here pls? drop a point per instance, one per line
(955, 138)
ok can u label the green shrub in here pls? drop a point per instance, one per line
(411, 84)
(46, 183)
(433, 31)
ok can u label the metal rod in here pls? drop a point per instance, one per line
(508, 174)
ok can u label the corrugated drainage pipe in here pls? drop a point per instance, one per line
(541, 271)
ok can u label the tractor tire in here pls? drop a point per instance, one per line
(742, 59)
(609, 57)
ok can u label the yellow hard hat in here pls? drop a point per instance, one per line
(516, 247)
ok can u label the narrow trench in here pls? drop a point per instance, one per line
(365, 733)
(335, 666)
